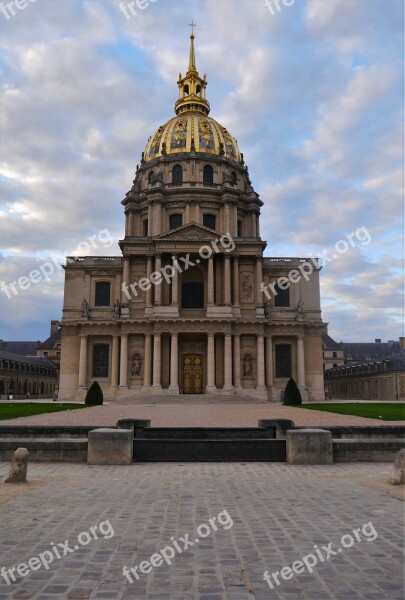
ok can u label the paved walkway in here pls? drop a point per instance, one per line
(275, 514)
(212, 412)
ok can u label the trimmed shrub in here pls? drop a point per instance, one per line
(292, 395)
(95, 395)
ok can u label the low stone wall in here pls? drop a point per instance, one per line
(46, 449)
(366, 450)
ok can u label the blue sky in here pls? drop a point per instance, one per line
(313, 93)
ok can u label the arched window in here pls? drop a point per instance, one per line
(177, 174)
(192, 295)
(145, 226)
(176, 221)
(233, 178)
(186, 90)
(208, 175)
(152, 177)
(209, 221)
(102, 295)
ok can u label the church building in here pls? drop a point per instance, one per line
(192, 306)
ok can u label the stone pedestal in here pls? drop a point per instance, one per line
(110, 447)
(309, 447)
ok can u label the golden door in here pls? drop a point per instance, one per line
(192, 374)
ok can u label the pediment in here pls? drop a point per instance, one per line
(189, 233)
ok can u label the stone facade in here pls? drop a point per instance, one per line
(150, 322)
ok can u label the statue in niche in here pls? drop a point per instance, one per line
(85, 309)
(300, 310)
(117, 309)
(136, 365)
(247, 366)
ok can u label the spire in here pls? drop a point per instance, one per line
(192, 87)
(191, 62)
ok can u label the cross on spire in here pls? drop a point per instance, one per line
(192, 25)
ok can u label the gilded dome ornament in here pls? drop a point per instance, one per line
(192, 130)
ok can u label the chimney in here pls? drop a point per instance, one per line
(377, 340)
(54, 327)
(402, 342)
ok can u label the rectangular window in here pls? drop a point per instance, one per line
(239, 228)
(100, 360)
(145, 228)
(176, 221)
(283, 361)
(281, 297)
(209, 221)
(102, 297)
(335, 355)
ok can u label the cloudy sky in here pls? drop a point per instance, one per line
(313, 93)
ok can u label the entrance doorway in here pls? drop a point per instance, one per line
(192, 374)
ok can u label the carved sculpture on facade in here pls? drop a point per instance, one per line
(247, 366)
(117, 309)
(85, 309)
(136, 365)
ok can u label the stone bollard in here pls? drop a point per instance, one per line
(309, 447)
(110, 446)
(399, 469)
(19, 467)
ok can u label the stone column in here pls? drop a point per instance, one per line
(158, 288)
(300, 362)
(197, 212)
(236, 280)
(187, 214)
(227, 269)
(131, 230)
(261, 383)
(211, 388)
(236, 361)
(211, 281)
(83, 362)
(174, 364)
(175, 282)
(226, 223)
(147, 373)
(149, 268)
(253, 217)
(124, 361)
(157, 361)
(126, 223)
(150, 220)
(115, 361)
(269, 361)
(125, 279)
(158, 217)
(259, 281)
(228, 362)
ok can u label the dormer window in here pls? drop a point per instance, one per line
(152, 177)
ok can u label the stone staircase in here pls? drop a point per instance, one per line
(191, 399)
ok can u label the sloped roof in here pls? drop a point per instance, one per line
(330, 342)
(38, 361)
(20, 348)
(52, 340)
(359, 351)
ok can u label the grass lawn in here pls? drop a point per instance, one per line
(385, 411)
(26, 409)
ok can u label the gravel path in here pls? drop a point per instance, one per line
(167, 414)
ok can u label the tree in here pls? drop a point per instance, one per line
(292, 395)
(95, 394)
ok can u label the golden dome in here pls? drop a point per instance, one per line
(192, 130)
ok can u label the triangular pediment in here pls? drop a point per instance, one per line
(189, 233)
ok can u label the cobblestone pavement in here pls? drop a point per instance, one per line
(279, 513)
(210, 412)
